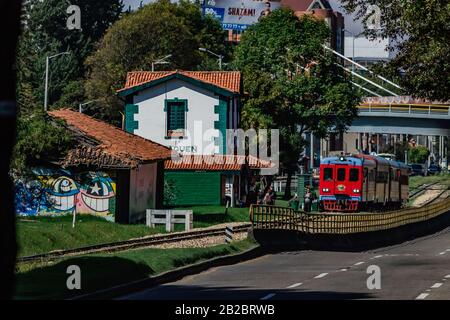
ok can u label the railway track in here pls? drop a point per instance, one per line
(138, 243)
(421, 190)
(443, 194)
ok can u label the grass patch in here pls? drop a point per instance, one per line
(37, 235)
(416, 181)
(100, 271)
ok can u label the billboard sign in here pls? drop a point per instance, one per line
(237, 14)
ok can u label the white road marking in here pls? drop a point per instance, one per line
(359, 263)
(447, 276)
(436, 285)
(343, 270)
(422, 296)
(442, 253)
(295, 285)
(321, 275)
(270, 295)
(380, 256)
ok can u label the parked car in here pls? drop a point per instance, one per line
(434, 169)
(409, 170)
(418, 169)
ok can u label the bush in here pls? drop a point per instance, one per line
(39, 137)
(170, 194)
(418, 154)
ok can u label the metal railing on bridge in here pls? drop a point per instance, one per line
(279, 218)
(430, 109)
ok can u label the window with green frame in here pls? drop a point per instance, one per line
(176, 117)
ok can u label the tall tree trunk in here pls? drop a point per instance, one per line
(9, 26)
(287, 190)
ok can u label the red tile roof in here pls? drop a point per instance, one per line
(228, 80)
(113, 147)
(215, 163)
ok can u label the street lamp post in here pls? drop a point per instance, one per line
(219, 56)
(47, 62)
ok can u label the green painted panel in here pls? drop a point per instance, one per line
(130, 123)
(194, 188)
(221, 124)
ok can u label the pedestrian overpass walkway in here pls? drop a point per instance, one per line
(404, 107)
(403, 115)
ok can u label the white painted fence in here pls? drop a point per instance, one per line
(169, 218)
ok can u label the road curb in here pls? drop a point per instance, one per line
(172, 275)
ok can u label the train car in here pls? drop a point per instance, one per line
(343, 185)
(381, 171)
(362, 182)
(399, 193)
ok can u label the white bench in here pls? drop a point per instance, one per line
(169, 218)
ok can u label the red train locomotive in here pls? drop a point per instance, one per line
(362, 182)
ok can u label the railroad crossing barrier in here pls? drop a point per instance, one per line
(229, 234)
(170, 218)
(278, 218)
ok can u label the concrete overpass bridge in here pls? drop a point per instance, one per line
(383, 122)
(409, 117)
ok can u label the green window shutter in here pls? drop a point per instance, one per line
(176, 114)
(130, 123)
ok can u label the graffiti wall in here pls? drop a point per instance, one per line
(60, 192)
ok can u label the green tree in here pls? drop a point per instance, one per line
(40, 138)
(46, 33)
(141, 37)
(293, 85)
(420, 35)
(418, 154)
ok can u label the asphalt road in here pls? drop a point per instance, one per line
(418, 269)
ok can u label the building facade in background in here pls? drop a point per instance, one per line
(322, 10)
(356, 45)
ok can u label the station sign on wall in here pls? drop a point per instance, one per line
(237, 14)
